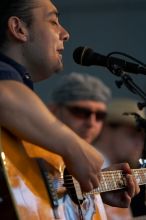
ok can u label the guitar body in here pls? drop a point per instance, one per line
(27, 188)
(24, 180)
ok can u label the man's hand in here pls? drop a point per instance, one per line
(82, 160)
(84, 163)
(122, 198)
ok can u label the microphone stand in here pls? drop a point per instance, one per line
(140, 122)
(129, 83)
(134, 88)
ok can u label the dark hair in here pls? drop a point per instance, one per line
(19, 8)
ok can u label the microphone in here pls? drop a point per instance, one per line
(87, 57)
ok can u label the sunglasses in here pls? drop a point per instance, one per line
(85, 113)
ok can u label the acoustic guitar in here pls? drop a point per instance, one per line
(38, 182)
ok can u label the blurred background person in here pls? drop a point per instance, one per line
(80, 101)
(122, 141)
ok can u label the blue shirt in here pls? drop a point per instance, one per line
(11, 70)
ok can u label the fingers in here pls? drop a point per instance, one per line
(125, 202)
(137, 188)
(91, 183)
(132, 189)
(122, 198)
(120, 166)
(132, 186)
(88, 169)
(126, 168)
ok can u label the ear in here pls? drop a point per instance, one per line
(17, 29)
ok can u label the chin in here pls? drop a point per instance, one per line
(55, 70)
(58, 68)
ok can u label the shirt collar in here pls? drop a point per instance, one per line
(21, 69)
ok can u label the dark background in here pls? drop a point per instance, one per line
(105, 26)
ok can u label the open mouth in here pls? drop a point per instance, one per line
(60, 53)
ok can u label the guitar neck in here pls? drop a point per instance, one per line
(114, 180)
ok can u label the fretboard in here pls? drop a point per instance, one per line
(113, 180)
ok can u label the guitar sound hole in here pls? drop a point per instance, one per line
(68, 183)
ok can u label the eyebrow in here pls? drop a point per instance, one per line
(54, 12)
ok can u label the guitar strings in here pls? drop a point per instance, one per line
(69, 177)
(106, 177)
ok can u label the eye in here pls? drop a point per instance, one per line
(54, 22)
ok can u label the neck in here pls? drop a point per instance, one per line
(13, 53)
(114, 180)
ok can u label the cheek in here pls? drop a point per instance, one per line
(99, 127)
(46, 39)
(70, 122)
(77, 126)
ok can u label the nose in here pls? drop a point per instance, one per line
(64, 35)
(92, 119)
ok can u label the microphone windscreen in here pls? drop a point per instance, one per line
(83, 56)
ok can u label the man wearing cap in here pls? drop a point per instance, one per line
(80, 97)
(122, 141)
(80, 101)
